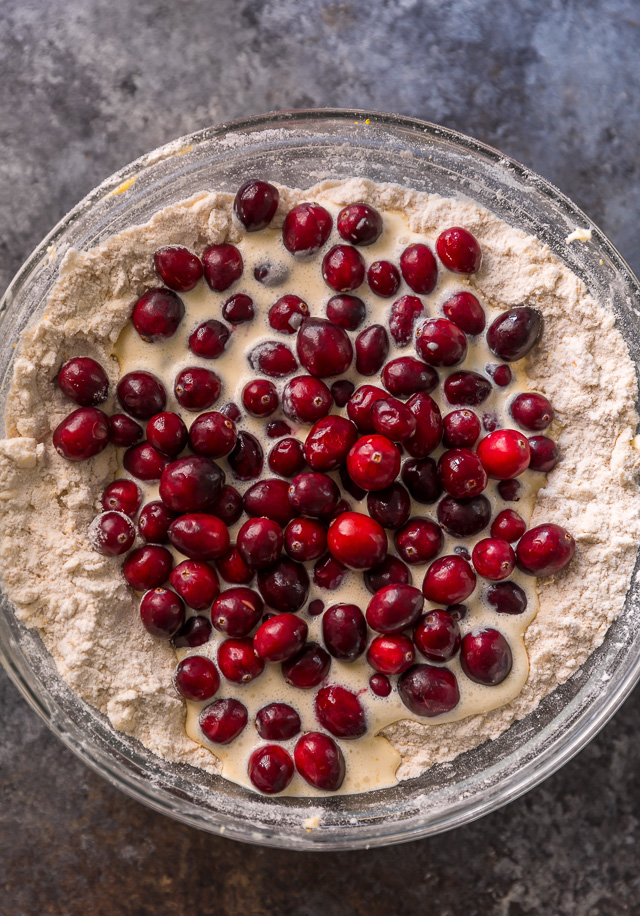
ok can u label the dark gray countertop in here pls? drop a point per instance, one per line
(87, 86)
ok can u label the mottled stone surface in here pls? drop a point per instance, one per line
(87, 86)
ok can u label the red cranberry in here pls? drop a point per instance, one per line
(305, 539)
(380, 685)
(324, 349)
(329, 573)
(512, 334)
(509, 490)
(246, 458)
(199, 536)
(490, 422)
(466, 389)
(209, 339)
(196, 388)
(393, 419)
(232, 567)
(501, 375)
(344, 631)
(223, 720)
(269, 498)
(419, 541)
(361, 404)
(157, 314)
(466, 312)
(404, 313)
(195, 632)
(260, 398)
(504, 454)
(343, 268)
(319, 761)
(544, 454)
(280, 638)
(314, 494)
(383, 278)
(141, 394)
(545, 550)
(273, 359)
(123, 431)
(84, 381)
(461, 429)
(493, 558)
(260, 542)
(238, 309)
(255, 205)
(459, 251)
(287, 457)
(394, 608)
(463, 518)
(328, 443)
(284, 586)
(391, 654)
(238, 661)
(390, 507)
(178, 268)
(308, 668)
(231, 412)
(437, 636)
(237, 611)
(122, 496)
(346, 311)
(167, 433)
(196, 583)
(449, 580)
(357, 541)
(340, 712)
(420, 477)
(161, 612)
(406, 375)
(508, 525)
(372, 347)
(270, 769)
(485, 657)
(286, 315)
(316, 607)
(306, 228)
(277, 722)
(306, 399)
(391, 571)
(462, 473)
(507, 598)
(428, 690)
(222, 266)
(428, 434)
(278, 428)
(147, 567)
(191, 484)
(373, 462)
(196, 678)
(212, 435)
(359, 224)
(419, 268)
(154, 522)
(532, 411)
(439, 342)
(111, 533)
(82, 434)
(144, 462)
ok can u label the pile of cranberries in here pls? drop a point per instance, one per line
(374, 442)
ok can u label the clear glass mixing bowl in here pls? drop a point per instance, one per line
(298, 148)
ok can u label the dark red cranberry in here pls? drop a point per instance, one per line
(437, 636)
(344, 631)
(406, 375)
(178, 268)
(394, 608)
(123, 431)
(199, 536)
(419, 268)
(237, 611)
(270, 274)
(504, 454)
(342, 507)
(349, 485)
(458, 611)
(462, 473)
(260, 542)
(393, 419)
(111, 533)
(195, 632)
(196, 583)
(419, 541)
(306, 228)
(316, 607)
(324, 349)
(270, 769)
(277, 722)
(391, 571)
(147, 567)
(360, 405)
(280, 638)
(255, 204)
(466, 312)
(231, 411)
(346, 311)
(532, 411)
(238, 661)
(439, 342)
(340, 712)
(383, 278)
(508, 525)
(209, 339)
(238, 309)
(246, 458)
(222, 266)
(428, 434)
(404, 313)
(509, 490)
(314, 494)
(390, 507)
(319, 761)
(269, 498)
(485, 656)
(232, 567)
(545, 550)
(278, 428)
(512, 334)
(449, 580)
(191, 484)
(459, 251)
(212, 434)
(507, 598)
(306, 399)
(341, 391)
(141, 394)
(273, 359)
(501, 375)
(161, 612)
(544, 454)
(464, 518)
(154, 522)
(490, 422)
(329, 573)
(359, 224)
(196, 678)
(391, 654)
(372, 347)
(467, 389)
(122, 496)
(493, 558)
(260, 398)
(428, 690)
(343, 268)
(357, 541)
(157, 314)
(420, 477)
(308, 668)
(167, 433)
(284, 586)
(144, 462)
(84, 381)
(196, 388)
(373, 462)
(380, 685)
(287, 457)
(461, 429)
(305, 539)
(286, 315)
(223, 720)
(82, 434)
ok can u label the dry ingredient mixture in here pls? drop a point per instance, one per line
(471, 670)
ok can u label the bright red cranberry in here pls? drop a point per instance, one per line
(346, 311)
(383, 278)
(154, 522)
(209, 339)
(545, 550)
(212, 434)
(84, 381)
(167, 433)
(178, 268)
(287, 457)
(467, 389)
(196, 678)
(191, 484)
(394, 608)
(308, 668)
(344, 631)
(420, 477)
(223, 720)
(507, 598)
(391, 571)
(512, 334)
(196, 583)
(464, 518)
(269, 498)
(316, 607)
(462, 473)
(123, 431)
(286, 315)
(428, 434)
(157, 314)
(466, 312)
(343, 268)
(494, 559)
(255, 204)
(222, 266)
(314, 494)
(232, 567)
(196, 388)
(122, 496)
(284, 586)
(509, 490)
(508, 525)
(305, 539)
(141, 394)
(306, 228)
(437, 636)
(390, 507)
(373, 462)
(419, 541)
(372, 347)
(237, 611)
(306, 399)
(277, 722)
(260, 542)
(280, 638)
(461, 429)
(273, 359)
(357, 541)
(328, 443)
(486, 657)
(329, 573)
(238, 309)
(419, 268)
(404, 313)
(544, 454)
(260, 398)
(340, 712)
(359, 224)
(406, 376)
(532, 411)
(500, 374)
(324, 349)
(428, 690)
(459, 251)
(82, 434)
(278, 428)
(393, 419)
(147, 567)
(380, 685)
(439, 342)
(504, 454)
(449, 580)
(199, 536)
(319, 761)
(270, 769)
(144, 462)
(196, 631)
(111, 533)
(161, 612)
(391, 654)
(246, 458)
(361, 404)
(238, 661)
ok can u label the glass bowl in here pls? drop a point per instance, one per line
(299, 148)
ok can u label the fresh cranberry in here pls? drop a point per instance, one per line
(270, 769)
(328, 443)
(178, 268)
(324, 349)
(486, 657)
(154, 522)
(509, 490)
(123, 431)
(372, 347)
(346, 311)
(500, 374)
(459, 251)
(306, 228)
(161, 612)
(196, 583)
(196, 678)
(394, 608)
(306, 399)
(359, 224)
(284, 586)
(157, 314)
(344, 631)
(122, 496)
(493, 558)
(287, 457)
(512, 334)
(357, 541)
(238, 309)
(277, 722)
(462, 473)
(305, 539)
(406, 376)
(380, 685)
(232, 567)
(209, 339)
(144, 462)
(383, 278)
(231, 412)
(223, 720)
(246, 458)
(222, 266)
(532, 411)
(437, 636)
(196, 388)
(360, 406)
(212, 435)
(544, 454)
(228, 506)
(167, 433)
(286, 315)
(390, 507)
(111, 533)
(404, 313)
(147, 567)
(280, 638)
(420, 477)
(504, 454)
(314, 494)
(466, 312)
(419, 541)
(255, 204)
(393, 419)
(196, 631)
(373, 462)
(141, 394)
(428, 690)
(449, 580)
(273, 359)
(191, 484)
(269, 498)
(439, 342)
(260, 398)
(391, 571)
(428, 434)
(199, 536)
(391, 654)
(278, 428)
(463, 518)
(82, 434)
(340, 712)
(316, 607)
(237, 611)
(343, 268)
(507, 598)
(329, 573)
(461, 429)
(238, 661)
(84, 381)
(419, 268)
(319, 761)
(545, 550)
(508, 525)
(467, 389)
(260, 542)
(308, 668)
